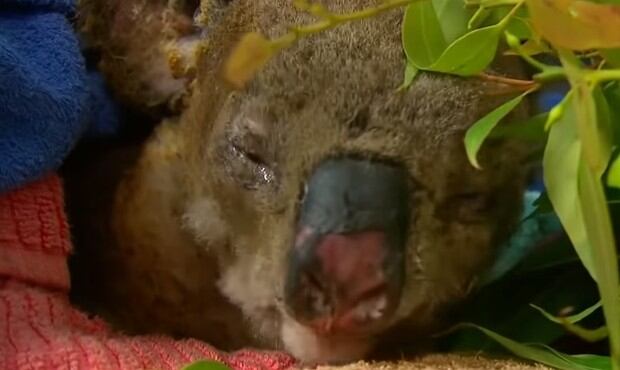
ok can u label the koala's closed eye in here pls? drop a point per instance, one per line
(246, 157)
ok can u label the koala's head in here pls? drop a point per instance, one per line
(341, 209)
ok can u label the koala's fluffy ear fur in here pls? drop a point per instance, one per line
(147, 49)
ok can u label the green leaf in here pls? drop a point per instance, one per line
(561, 169)
(592, 25)
(410, 74)
(556, 112)
(611, 92)
(518, 24)
(423, 37)
(613, 176)
(492, 3)
(612, 56)
(589, 335)
(543, 204)
(453, 18)
(544, 354)
(603, 253)
(206, 365)
(594, 126)
(470, 54)
(569, 323)
(593, 361)
(479, 131)
(591, 115)
(435, 38)
(531, 129)
(481, 15)
(520, 28)
(569, 319)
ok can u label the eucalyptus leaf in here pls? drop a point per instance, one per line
(589, 335)
(519, 27)
(596, 218)
(593, 361)
(612, 56)
(435, 38)
(206, 365)
(561, 169)
(592, 25)
(541, 278)
(480, 130)
(594, 127)
(518, 24)
(569, 322)
(453, 18)
(603, 253)
(592, 116)
(569, 319)
(611, 91)
(531, 129)
(423, 38)
(411, 72)
(470, 54)
(544, 354)
(613, 175)
(479, 17)
(493, 3)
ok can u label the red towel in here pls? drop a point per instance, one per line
(39, 329)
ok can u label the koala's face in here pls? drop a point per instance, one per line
(344, 208)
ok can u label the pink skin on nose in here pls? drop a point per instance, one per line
(352, 265)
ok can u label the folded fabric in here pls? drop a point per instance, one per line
(40, 329)
(48, 99)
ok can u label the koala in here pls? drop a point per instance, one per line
(318, 210)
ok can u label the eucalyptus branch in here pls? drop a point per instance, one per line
(254, 50)
(517, 84)
(515, 44)
(602, 75)
(491, 3)
(331, 20)
(511, 13)
(550, 74)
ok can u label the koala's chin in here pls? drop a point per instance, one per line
(313, 349)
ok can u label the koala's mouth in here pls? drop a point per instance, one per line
(346, 267)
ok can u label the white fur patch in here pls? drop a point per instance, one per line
(202, 219)
(304, 344)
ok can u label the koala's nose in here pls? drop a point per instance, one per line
(346, 266)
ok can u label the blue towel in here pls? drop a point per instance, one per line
(48, 98)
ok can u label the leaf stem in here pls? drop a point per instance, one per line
(598, 76)
(551, 73)
(331, 20)
(519, 84)
(490, 3)
(504, 22)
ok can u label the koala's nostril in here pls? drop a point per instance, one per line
(342, 285)
(329, 308)
(317, 295)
